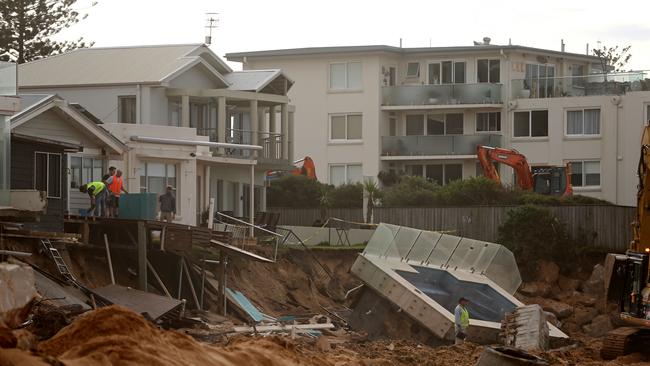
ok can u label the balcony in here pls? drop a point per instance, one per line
(271, 144)
(441, 95)
(580, 86)
(414, 146)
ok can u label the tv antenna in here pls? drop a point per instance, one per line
(212, 22)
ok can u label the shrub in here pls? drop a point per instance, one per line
(294, 191)
(346, 195)
(410, 192)
(473, 191)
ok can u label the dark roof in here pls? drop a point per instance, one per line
(238, 56)
(86, 113)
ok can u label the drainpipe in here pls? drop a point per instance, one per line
(616, 100)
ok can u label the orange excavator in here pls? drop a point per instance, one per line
(304, 167)
(547, 180)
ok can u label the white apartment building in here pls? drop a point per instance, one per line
(423, 111)
(186, 119)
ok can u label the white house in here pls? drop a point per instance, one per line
(372, 109)
(186, 118)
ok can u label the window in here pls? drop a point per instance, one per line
(583, 122)
(155, 177)
(488, 71)
(345, 127)
(345, 76)
(414, 125)
(85, 170)
(199, 116)
(174, 112)
(647, 114)
(447, 72)
(445, 124)
(488, 121)
(585, 173)
(392, 74)
(438, 173)
(413, 70)
(531, 124)
(578, 73)
(47, 173)
(126, 109)
(539, 79)
(345, 173)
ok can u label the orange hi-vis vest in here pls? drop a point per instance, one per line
(116, 185)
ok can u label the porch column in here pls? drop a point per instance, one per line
(251, 201)
(185, 111)
(290, 134)
(284, 110)
(255, 140)
(239, 210)
(272, 130)
(221, 119)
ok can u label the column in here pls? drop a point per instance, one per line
(290, 134)
(185, 111)
(255, 138)
(239, 191)
(272, 130)
(284, 109)
(251, 201)
(221, 119)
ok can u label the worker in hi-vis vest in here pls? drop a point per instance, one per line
(461, 320)
(97, 192)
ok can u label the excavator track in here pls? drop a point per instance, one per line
(625, 340)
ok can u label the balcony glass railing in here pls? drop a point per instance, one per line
(483, 93)
(579, 86)
(7, 78)
(436, 145)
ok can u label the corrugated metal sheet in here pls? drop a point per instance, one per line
(120, 65)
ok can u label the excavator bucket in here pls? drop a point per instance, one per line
(614, 276)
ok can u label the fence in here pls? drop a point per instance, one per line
(604, 226)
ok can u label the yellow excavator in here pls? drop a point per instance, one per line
(627, 279)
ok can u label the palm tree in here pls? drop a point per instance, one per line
(372, 193)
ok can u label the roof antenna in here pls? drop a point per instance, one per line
(400, 43)
(211, 23)
(509, 41)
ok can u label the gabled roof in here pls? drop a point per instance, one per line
(239, 56)
(36, 104)
(257, 80)
(119, 66)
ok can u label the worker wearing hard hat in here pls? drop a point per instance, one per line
(461, 320)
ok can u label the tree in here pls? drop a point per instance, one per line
(373, 193)
(27, 27)
(612, 58)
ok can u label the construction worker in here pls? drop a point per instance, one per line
(97, 192)
(167, 205)
(461, 316)
(115, 187)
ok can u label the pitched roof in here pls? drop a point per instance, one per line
(239, 56)
(118, 65)
(35, 104)
(254, 80)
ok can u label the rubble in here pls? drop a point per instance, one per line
(526, 328)
(548, 272)
(596, 282)
(599, 326)
(18, 293)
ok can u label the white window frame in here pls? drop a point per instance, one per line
(488, 132)
(347, 80)
(84, 179)
(453, 71)
(347, 167)
(489, 80)
(346, 140)
(536, 92)
(584, 178)
(419, 71)
(47, 178)
(583, 134)
(530, 125)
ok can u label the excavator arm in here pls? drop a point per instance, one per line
(512, 158)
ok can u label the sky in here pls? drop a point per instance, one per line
(253, 25)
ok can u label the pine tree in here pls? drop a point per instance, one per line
(26, 28)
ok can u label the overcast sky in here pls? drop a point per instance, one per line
(252, 25)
